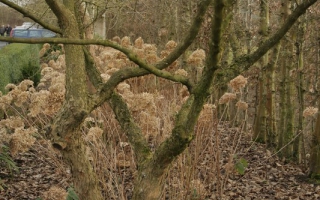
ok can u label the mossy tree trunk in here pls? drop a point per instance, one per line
(152, 167)
(260, 125)
(298, 148)
(315, 150)
(314, 164)
(76, 106)
(282, 100)
(290, 95)
(288, 133)
(260, 134)
(287, 107)
(229, 50)
(271, 128)
(265, 130)
(286, 129)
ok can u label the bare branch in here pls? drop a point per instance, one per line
(60, 11)
(91, 69)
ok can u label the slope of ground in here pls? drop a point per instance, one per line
(267, 177)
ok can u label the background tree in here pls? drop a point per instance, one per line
(315, 155)
(260, 126)
(5, 16)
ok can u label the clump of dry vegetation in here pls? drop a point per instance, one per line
(202, 171)
(29, 109)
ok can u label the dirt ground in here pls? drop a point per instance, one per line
(267, 177)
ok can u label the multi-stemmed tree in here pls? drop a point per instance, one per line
(85, 91)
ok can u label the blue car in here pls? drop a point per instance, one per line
(31, 33)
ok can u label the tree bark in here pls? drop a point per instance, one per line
(314, 164)
(272, 132)
(287, 107)
(315, 150)
(298, 148)
(260, 126)
(65, 128)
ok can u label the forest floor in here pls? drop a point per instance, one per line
(267, 177)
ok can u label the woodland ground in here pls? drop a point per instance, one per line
(267, 176)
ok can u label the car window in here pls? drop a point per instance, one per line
(47, 33)
(32, 33)
(20, 33)
(35, 33)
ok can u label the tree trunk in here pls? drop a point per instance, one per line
(286, 90)
(288, 133)
(290, 93)
(152, 167)
(298, 148)
(65, 128)
(315, 146)
(271, 98)
(260, 120)
(286, 129)
(149, 183)
(315, 150)
(85, 180)
(260, 126)
(282, 110)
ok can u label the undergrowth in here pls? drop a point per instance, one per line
(205, 166)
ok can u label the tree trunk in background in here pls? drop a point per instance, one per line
(260, 126)
(288, 133)
(271, 124)
(315, 146)
(286, 90)
(282, 111)
(291, 95)
(298, 148)
(315, 150)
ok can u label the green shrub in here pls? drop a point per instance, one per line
(5, 71)
(72, 194)
(5, 159)
(18, 62)
(31, 72)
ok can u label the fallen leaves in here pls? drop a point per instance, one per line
(37, 174)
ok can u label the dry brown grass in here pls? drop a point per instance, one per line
(152, 101)
(204, 167)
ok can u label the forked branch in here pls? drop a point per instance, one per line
(187, 117)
